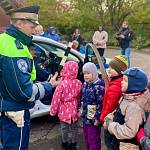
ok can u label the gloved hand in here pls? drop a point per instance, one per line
(140, 134)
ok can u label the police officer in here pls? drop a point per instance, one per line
(18, 91)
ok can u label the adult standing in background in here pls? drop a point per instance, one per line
(18, 90)
(77, 37)
(124, 38)
(100, 38)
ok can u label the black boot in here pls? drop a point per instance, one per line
(73, 146)
(64, 146)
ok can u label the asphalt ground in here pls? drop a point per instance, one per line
(45, 135)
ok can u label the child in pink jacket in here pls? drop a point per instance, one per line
(65, 103)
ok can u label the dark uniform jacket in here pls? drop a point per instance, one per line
(17, 73)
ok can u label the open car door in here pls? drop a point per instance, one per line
(92, 47)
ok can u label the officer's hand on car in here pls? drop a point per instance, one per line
(54, 80)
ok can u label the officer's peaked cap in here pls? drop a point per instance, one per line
(26, 13)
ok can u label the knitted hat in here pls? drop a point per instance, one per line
(119, 63)
(91, 67)
(137, 80)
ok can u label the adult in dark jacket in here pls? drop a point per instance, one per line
(18, 90)
(124, 38)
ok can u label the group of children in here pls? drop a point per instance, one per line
(120, 108)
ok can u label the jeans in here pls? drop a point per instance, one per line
(126, 52)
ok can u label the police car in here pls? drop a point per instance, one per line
(52, 52)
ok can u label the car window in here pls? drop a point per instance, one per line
(57, 51)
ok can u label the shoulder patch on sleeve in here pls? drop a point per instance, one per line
(22, 65)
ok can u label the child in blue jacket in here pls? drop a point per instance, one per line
(91, 106)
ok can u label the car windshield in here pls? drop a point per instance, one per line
(59, 52)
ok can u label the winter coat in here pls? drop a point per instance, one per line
(112, 97)
(128, 33)
(54, 37)
(100, 38)
(91, 102)
(132, 108)
(67, 94)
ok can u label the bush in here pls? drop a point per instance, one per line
(140, 42)
(87, 36)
